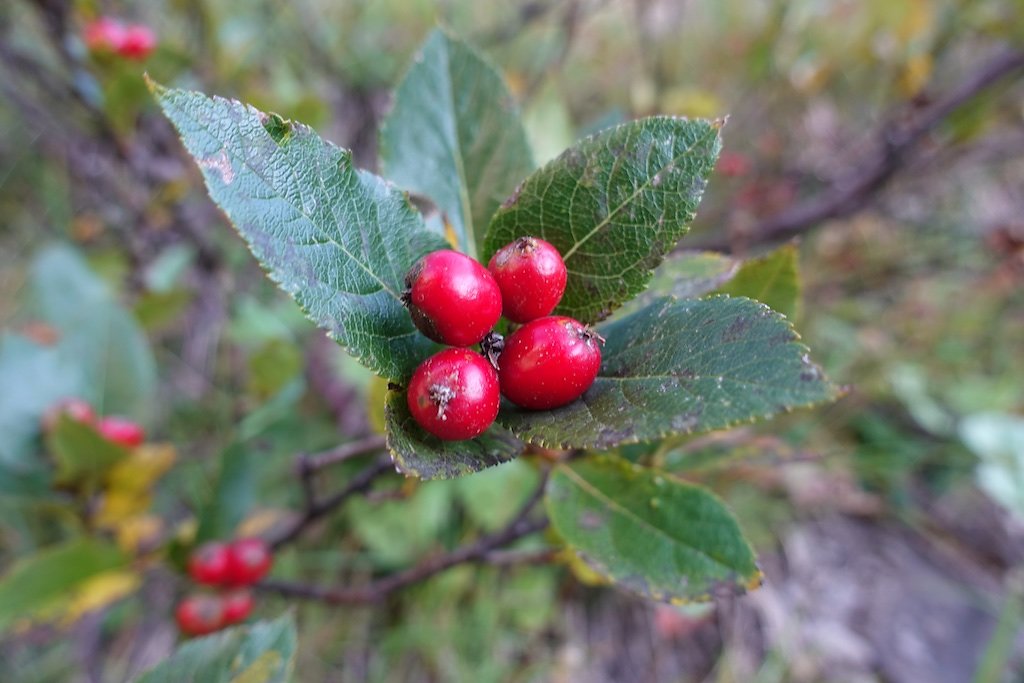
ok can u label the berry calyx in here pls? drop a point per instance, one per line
(549, 362)
(249, 560)
(454, 394)
(237, 606)
(75, 408)
(122, 431)
(198, 615)
(452, 299)
(531, 275)
(209, 564)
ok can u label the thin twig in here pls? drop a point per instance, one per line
(479, 551)
(346, 451)
(519, 558)
(898, 140)
(315, 509)
(307, 465)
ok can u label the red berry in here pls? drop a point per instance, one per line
(75, 408)
(237, 606)
(104, 35)
(531, 275)
(249, 560)
(121, 431)
(452, 298)
(137, 42)
(209, 564)
(198, 615)
(549, 362)
(454, 394)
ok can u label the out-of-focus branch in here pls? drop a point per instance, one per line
(898, 139)
(346, 451)
(316, 509)
(483, 550)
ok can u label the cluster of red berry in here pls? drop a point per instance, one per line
(109, 35)
(113, 428)
(547, 362)
(229, 566)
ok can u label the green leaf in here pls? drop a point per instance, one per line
(165, 271)
(419, 454)
(454, 136)
(613, 205)
(649, 532)
(233, 495)
(272, 366)
(81, 453)
(493, 497)
(337, 239)
(156, 311)
(678, 367)
(772, 279)
(34, 581)
(261, 653)
(998, 441)
(688, 275)
(398, 532)
(96, 332)
(32, 379)
(548, 122)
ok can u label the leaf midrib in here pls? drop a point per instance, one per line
(278, 195)
(569, 254)
(467, 210)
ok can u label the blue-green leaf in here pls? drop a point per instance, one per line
(454, 136)
(339, 240)
(261, 653)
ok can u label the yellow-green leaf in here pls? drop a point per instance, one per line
(772, 279)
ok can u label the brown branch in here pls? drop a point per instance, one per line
(482, 550)
(346, 451)
(316, 509)
(519, 558)
(898, 141)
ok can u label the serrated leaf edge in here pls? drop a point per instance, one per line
(160, 92)
(464, 198)
(835, 393)
(715, 127)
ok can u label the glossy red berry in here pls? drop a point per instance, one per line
(137, 42)
(531, 275)
(454, 394)
(549, 362)
(237, 606)
(249, 560)
(209, 564)
(121, 431)
(452, 299)
(75, 408)
(198, 615)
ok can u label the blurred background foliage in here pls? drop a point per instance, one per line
(890, 525)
